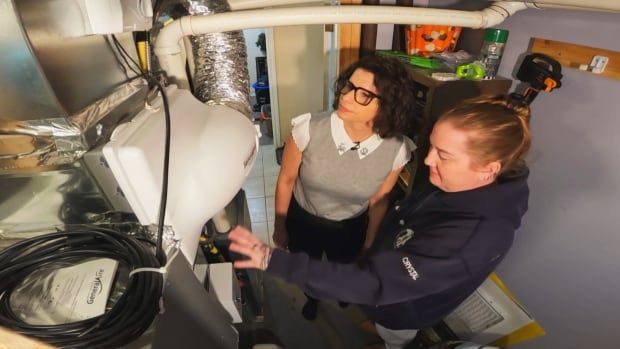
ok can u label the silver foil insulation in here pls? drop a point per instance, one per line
(220, 60)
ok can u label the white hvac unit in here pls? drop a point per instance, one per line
(213, 148)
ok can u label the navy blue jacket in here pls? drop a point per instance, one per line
(432, 251)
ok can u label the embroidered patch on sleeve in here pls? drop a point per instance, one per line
(410, 269)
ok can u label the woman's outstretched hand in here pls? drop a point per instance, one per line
(243, 242)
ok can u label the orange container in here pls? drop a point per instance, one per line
(425, 39)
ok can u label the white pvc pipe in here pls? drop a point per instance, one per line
(575, 8)
(237, 5)
(168, 50)
(169, 36)
(593, 5)
(221, 222)
(499, 11)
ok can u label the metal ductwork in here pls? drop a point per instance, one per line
(61, 96)
(58, 92)
(219, 62)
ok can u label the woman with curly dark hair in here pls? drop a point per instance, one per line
(395, 114)
(339, 166)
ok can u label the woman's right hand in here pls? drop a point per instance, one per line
(243, 242)
(280, 235)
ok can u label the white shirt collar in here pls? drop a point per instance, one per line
(344, 143)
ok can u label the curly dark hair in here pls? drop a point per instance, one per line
(396, 105)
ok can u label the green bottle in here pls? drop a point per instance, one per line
(492, 50)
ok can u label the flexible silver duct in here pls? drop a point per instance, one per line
(220, 60)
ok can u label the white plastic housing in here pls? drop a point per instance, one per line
(212, 150)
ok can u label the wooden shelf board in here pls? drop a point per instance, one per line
(573, 55)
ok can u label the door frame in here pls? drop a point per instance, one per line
(273, 89)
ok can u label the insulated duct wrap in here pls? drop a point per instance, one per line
(39, 143)
(59, 141)
(220, 60)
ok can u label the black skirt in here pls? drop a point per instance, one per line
(341, 241)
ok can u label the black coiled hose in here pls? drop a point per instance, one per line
(129, 317)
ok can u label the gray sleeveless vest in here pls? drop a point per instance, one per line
(335, 186)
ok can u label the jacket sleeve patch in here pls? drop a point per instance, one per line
(410, 269)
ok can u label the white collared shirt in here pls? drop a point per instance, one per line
(342, 141)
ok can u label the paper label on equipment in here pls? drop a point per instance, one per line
(64, 295)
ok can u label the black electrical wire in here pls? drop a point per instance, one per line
(164, 192)
(125, 321)
(118, 60)
(136, 69)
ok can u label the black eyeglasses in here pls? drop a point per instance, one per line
(361, 95)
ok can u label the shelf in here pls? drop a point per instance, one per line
(423, 76)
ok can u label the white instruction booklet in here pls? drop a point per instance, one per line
(64, 295)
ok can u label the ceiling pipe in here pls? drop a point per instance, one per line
(237, 5)
(499, 12)
(168, 50)
(540, 6)
(591, 5)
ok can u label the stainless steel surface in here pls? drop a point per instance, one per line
(47, 75)
(220, 60)
(80, 70)
(38, 202)
(25, 92)
(61, 95)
